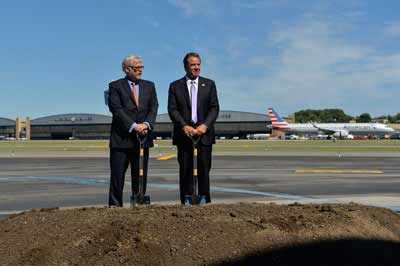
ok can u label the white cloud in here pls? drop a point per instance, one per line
(257, 4)
(392, 29)
(318, 66)
(237, 47)
(194, 7)
(185, 5)
(314, 62)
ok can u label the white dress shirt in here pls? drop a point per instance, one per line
(196, 84)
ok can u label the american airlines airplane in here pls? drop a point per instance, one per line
(338, 130)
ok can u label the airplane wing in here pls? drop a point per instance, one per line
(340, 133)
(325, 131)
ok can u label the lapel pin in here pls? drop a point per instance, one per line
(203, 85)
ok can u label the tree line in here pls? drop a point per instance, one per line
(339, 116)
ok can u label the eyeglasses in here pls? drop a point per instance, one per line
(136, 67)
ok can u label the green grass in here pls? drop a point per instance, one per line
(311, 145)
(55, 145)
(165, 146)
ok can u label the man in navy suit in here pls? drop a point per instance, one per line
(133, 104)
(193, 108)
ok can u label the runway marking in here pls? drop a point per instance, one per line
(12, 212)
(95, 181)
(166, 157)
(330, 171)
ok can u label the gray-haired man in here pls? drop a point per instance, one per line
(133, 104)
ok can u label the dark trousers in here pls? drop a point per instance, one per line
(185, 159)
(119, 161)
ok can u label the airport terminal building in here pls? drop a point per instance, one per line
(7, 127)
(94, 126)
(71, 126)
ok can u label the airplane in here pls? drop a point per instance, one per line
(258, 136)
(337, 130)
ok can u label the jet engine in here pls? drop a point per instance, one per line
(341, 134)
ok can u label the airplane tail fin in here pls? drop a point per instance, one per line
(277, 121)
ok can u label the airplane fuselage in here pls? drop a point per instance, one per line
(351, 128)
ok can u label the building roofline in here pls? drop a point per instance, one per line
(71, 114)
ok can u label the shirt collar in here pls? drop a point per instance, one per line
(131, 81)
(196, 79)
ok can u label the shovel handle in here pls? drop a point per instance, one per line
(141, 155)
(195, 141)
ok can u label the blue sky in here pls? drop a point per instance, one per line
(59, 56)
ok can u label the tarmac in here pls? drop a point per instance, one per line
(70, 179)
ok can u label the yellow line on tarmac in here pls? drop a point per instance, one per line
(166, 157)
(303, 171)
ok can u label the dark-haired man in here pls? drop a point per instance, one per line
(193, 108)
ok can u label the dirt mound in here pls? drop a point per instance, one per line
(235, 234)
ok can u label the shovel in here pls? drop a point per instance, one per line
(140, 198)
(194, 198)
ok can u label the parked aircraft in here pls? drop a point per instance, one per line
(258, 136)
(337, 130)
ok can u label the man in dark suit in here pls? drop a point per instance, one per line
(193, 108)
(133, 104)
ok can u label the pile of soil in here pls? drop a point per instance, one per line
(216, 234)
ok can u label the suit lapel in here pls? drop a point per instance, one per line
(142, 91)
(184, 88)
(128, 90)
(201, 92)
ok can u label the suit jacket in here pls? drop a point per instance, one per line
(180, 110)
(124, 112)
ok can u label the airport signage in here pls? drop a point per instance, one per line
(74, 119)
